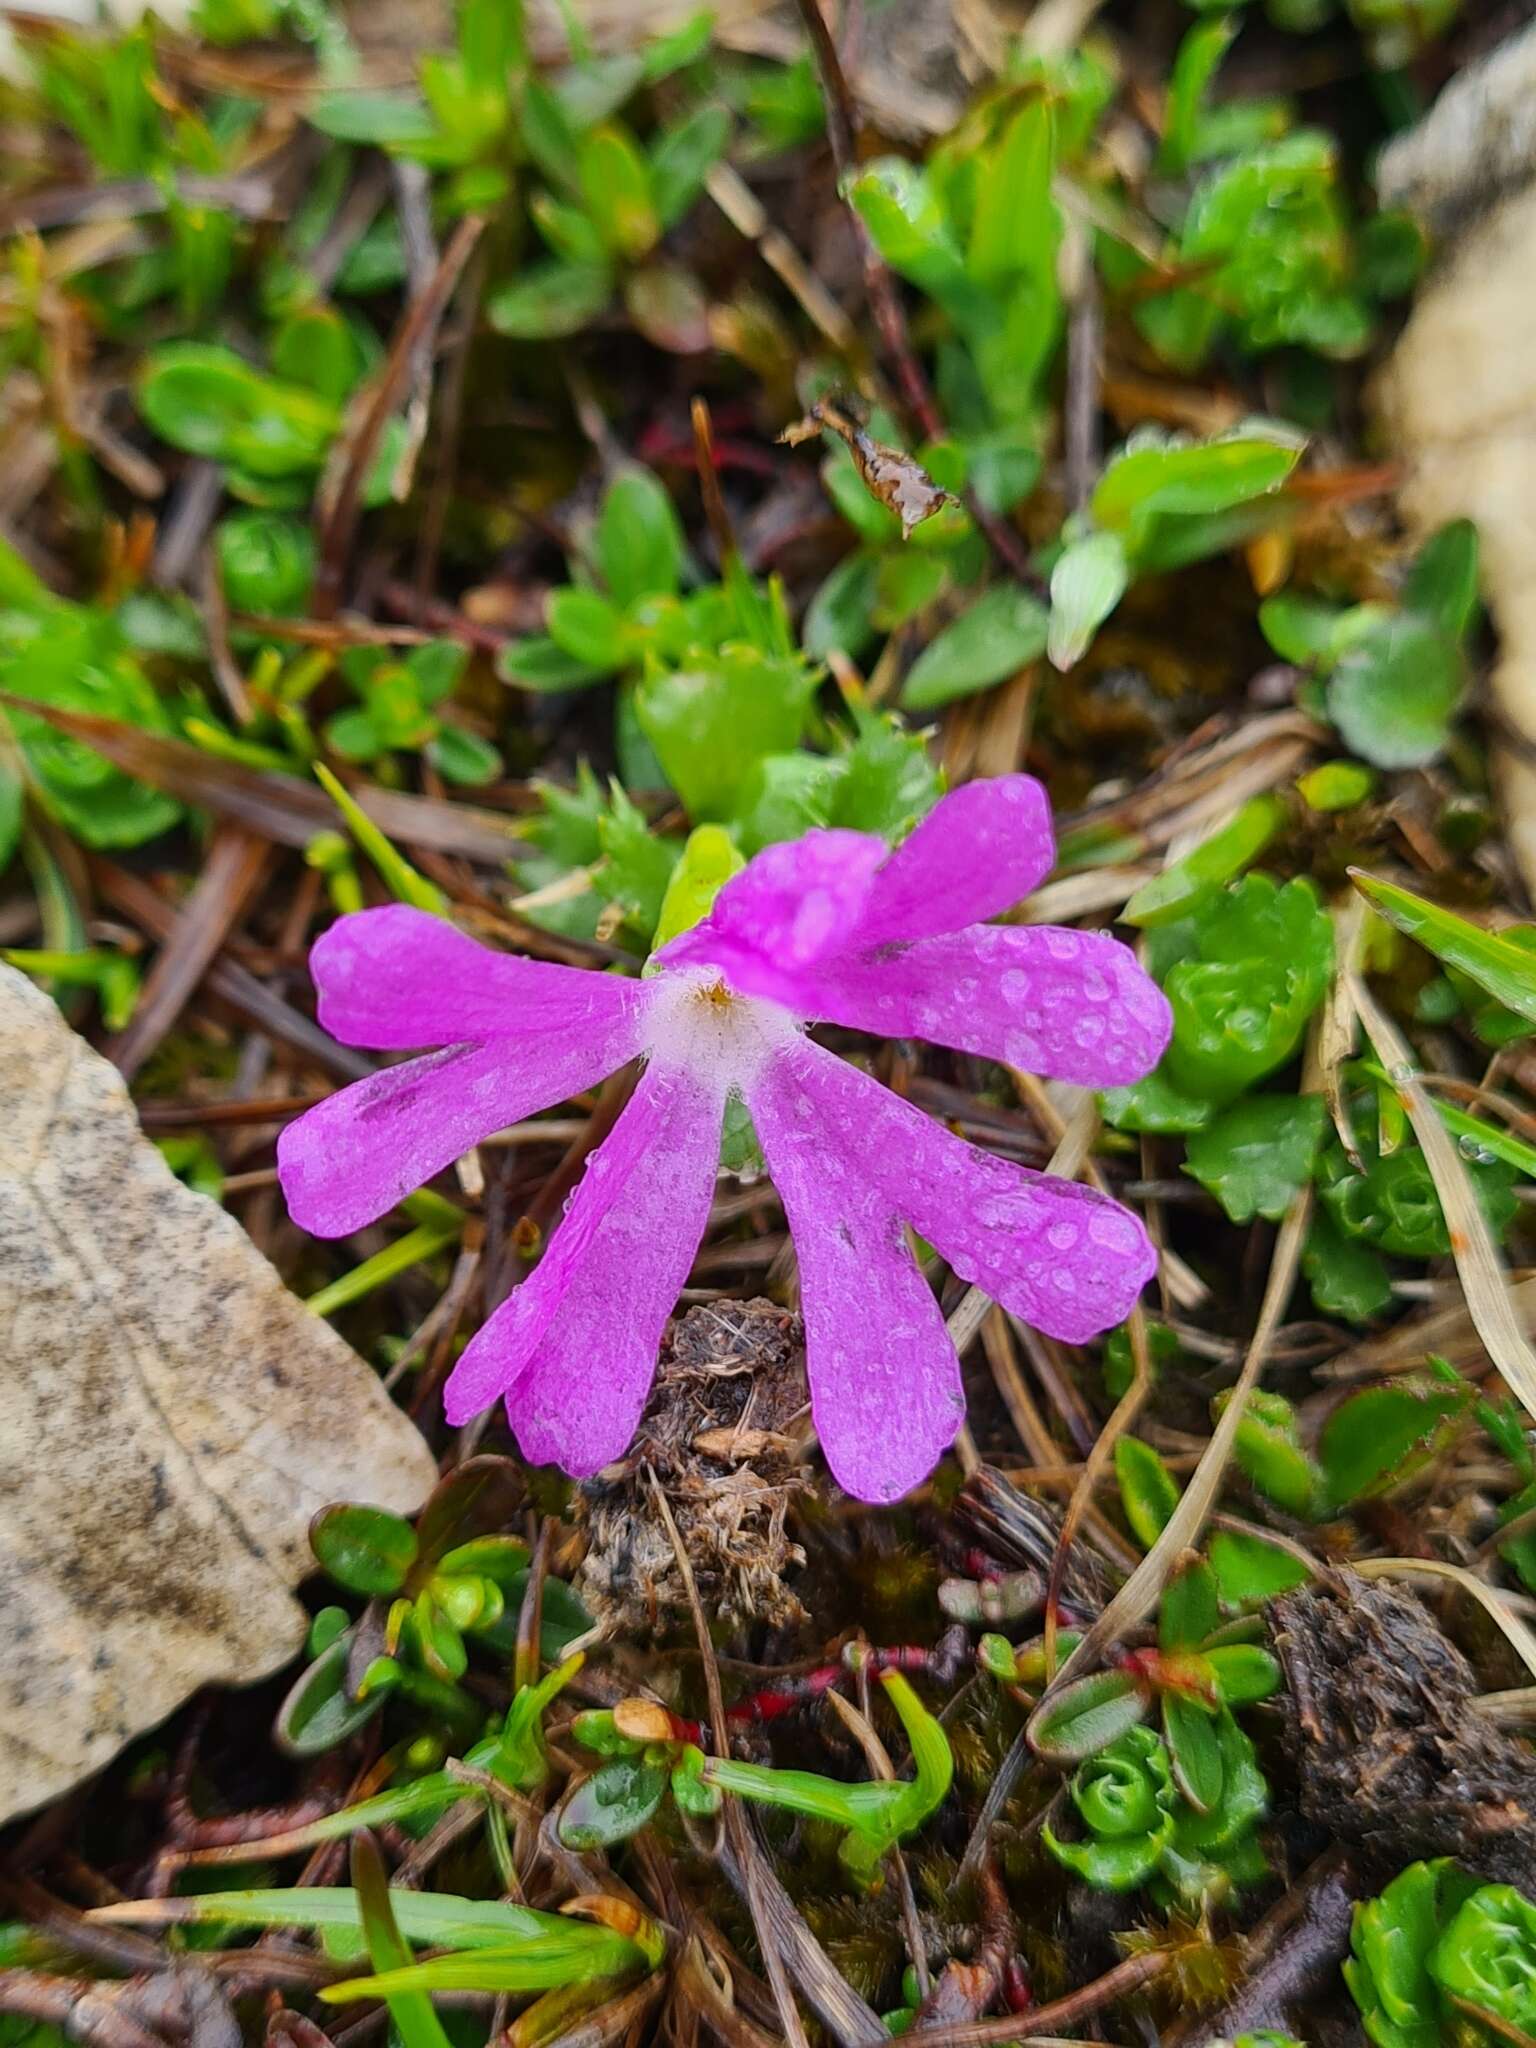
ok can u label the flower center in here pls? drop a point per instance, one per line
(696, 1020)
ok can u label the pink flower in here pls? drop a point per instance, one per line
(831, 927)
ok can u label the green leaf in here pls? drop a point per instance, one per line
(1192, 880)
(1346, 1277)
(713, 725)
(1257, 1156)
(1504, 969)
(1245, 1674)
(615, 187)
(682, 157)
(1016, 228)
(1149, 1493)
(1393, 1940)
(541, 664)
(1268, 1450)
(640, 546)
(402, 880)
(1250, 1571)
(1002, 632)
(463, 757)
(1381, 1436)
(1210, 476)
(1302, 630)
(385, 119)
(1256, 966)
(367, 1550)
(1393, 694)
(1486, 1959)
(613, 1804)
(1442, 584)
(266, 562)
(1085, 1716)
(318, 1713)
(412, 2012)
(209, 401)
(709, 859)
(549, 300)
(586, 626)
(1088, 581)
(1193, 1752)
(1195, 65)
(839, 616)
(1155, 1105)
(1189, 1611)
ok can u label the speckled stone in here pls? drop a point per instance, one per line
(171, 1419)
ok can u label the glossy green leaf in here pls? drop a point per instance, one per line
(1442, 584)
(1088, 581)
(613, 1804)
(367, 1550)
(1189, 1610)
(1002, 632)
(318, 1713)
(1245, 1673)
(1505, 970)
(1393, 694)
(1346, 1277)
(1256, 1156)
(712, 726)
(640, 545)
(1189, 478)
(1198, 874)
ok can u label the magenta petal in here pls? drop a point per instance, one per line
(574, 1348)
(979, 851)
(350, 1159)
(398, 978)
(791, 906)
(886, 1390)
(1060, 1256)
(1073, 1005)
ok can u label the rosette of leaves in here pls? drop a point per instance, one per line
(452, 1581)
(607, 201)
(1261, 246)
(1141, 1830)
(1243, 973)
(1438, 1957)
(1390, 676)
(1200, 1669)
(1384, 1198)
(397, 712)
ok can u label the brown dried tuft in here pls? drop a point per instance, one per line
(719, 1433)
(1391, 1751)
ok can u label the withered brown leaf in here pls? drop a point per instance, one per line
(900, 483)
(172, 1418)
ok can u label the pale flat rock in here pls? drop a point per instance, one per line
(1475, 145)
(172, 1418)
(1458, 404)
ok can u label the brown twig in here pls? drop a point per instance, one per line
(885, 299)
(339, 507)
